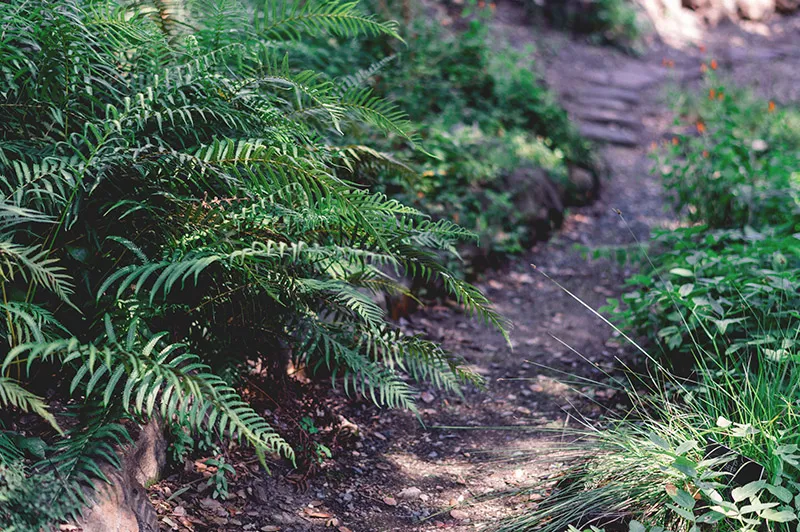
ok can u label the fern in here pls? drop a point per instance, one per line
(169, 166)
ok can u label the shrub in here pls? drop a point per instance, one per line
(482, 115)
(721, 292)
(737, 164)
(178, 201)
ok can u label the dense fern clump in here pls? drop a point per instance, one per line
(176, 202)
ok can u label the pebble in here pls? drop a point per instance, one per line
(410, 493)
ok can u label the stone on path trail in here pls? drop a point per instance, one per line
(410, 493)
(635, 76)
(611, 93)
(607, 117)
(604, 104)
(601, 133)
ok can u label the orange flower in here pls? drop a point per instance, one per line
(653, 146)
(701, 127)
(771, 106)
(714, 64)
(705, 154)
(669, 63)
(712, 94)
(721, 96)
(493, 6)
(420, 195)
(481, 4)
(702, 48)
(674, 141)
(703, 68)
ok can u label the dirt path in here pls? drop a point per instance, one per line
(401, 475)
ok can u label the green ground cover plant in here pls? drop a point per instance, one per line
(179, 199)
(711, 439)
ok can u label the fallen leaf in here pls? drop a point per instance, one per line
(270, 528)
(344, 529)
(311, 512)
(179, 511)
(390, 501)
(332, 522)
(459, 515)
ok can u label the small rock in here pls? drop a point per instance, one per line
(179, 511)
(215, 506)
(428, 397)
(459, 515)
(270, 528)
(433, 454)
(424, 497)
(755, 9)
(410, 493)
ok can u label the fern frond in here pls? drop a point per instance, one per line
(291, 18)
(358, 373)
(137, 375)
(12, 394)
(34, 264)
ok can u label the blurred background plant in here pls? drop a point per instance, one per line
(485, 119)
(613, 22)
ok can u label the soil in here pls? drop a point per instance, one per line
(394, 471)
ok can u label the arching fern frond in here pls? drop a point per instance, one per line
(12, 394)
(292, 18)
(147, 369)
(34, 264)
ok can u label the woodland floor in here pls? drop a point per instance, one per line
(401, 474)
